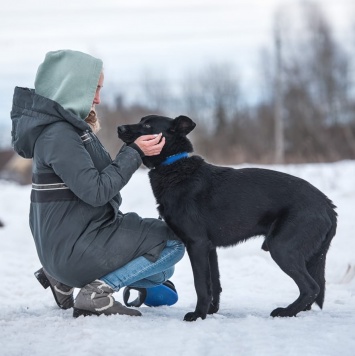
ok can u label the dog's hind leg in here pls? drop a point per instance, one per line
(293, 263)
(316, 268)
(216, 284)
(316, 264)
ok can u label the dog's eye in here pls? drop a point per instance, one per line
(146, 126)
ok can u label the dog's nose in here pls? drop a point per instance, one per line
(121, 129)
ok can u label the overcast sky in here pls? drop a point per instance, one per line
(166, 38)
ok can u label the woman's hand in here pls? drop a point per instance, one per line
(150, 145)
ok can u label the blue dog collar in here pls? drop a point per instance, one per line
(174, 158)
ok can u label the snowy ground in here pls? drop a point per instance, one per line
(253, 285)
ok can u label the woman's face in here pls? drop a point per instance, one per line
(100, 84)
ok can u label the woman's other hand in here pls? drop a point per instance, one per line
(150, 145)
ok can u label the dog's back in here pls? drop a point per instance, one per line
(236, 204)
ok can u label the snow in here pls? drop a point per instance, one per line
(253, 285)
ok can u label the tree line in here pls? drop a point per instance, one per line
(305, 110)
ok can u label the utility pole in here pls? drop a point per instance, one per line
(279, 155)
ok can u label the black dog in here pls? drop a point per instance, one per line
(209, 206)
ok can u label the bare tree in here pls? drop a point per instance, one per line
(156, 92)
(213, 97)
(316, 86)
(307, 112)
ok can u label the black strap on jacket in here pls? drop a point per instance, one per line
(48, 187)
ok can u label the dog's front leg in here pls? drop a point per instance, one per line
(216, 284)
(199, 258)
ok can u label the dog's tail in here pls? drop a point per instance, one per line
(316, 264)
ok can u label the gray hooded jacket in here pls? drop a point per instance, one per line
(79, 231)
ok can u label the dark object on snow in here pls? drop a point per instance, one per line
(164, 294)
(62, 293)
(1, 224)
(209, 206)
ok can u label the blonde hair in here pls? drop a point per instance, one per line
(93, 120)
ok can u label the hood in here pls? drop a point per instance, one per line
(31, 114)
(65, 87)
(70, 78)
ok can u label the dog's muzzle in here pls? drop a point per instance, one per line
(121, 130)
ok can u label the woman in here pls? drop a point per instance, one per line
(82, 238)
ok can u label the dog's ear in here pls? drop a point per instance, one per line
(183, 125)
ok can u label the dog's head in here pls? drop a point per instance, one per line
(174, 131)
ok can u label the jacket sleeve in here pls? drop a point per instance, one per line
(66, 155)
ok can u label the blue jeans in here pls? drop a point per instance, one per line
(142, 273)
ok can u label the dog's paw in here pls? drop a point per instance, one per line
(282, 312)
(193, 316)
(308, 307)
(213, 308)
